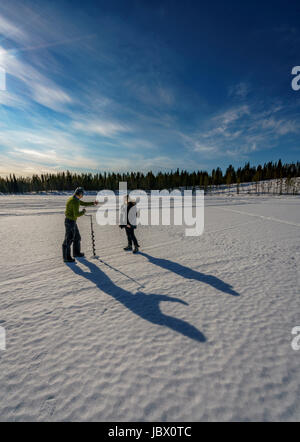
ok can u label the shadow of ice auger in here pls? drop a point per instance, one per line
(188, 273)
(141, 304)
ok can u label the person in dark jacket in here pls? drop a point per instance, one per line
(128, 221)
(72, 233)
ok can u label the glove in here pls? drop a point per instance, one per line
(84, 211)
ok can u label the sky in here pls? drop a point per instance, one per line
(131, 85)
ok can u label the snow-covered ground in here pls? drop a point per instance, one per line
(190, 329)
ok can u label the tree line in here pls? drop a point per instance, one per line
(67, 181)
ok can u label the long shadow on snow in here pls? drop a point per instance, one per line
(188, 273)
(141, 304)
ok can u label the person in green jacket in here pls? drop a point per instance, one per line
(72, 233)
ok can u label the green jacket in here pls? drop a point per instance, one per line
(72, 208)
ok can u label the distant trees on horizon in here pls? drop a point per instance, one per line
(67, 181)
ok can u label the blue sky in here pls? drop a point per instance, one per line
(148, 84)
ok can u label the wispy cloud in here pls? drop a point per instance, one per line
(279, 126)
(153, 95)
(240, 90)
(11, 31)
(242, 130)
(36, 86)
(105, 128)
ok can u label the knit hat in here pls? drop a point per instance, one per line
(79, 191)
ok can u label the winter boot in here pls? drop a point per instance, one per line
(70, 259)
(76, 250)
(128, 248)
(79, 255)
(66, 255)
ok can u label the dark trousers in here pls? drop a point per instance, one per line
(72, 237)
(131, 236)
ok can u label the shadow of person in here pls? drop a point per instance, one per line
(188, 273)
(141, 304)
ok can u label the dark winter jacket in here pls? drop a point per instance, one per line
(126, 208)
(72, 208)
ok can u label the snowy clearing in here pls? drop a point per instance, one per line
(191, 329)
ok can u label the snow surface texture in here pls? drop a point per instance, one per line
(191, 329)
